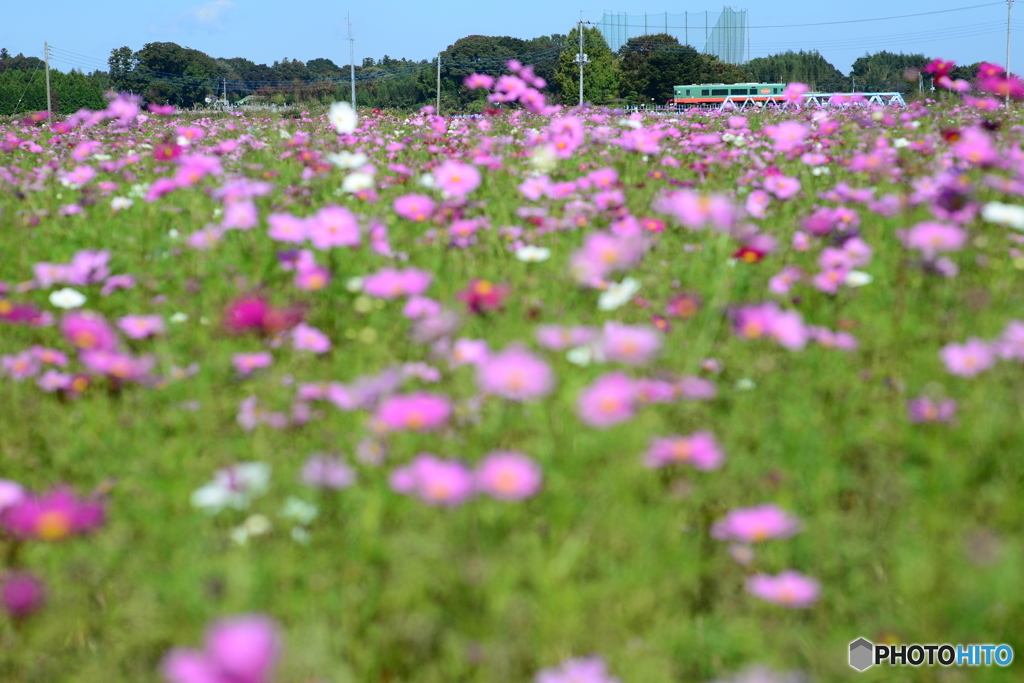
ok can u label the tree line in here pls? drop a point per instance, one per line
(642, 71)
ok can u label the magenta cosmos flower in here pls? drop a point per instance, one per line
(515, 374)
(508, 475)
(434, 481)
(788, 589)
(53, 516)
(414, 207)
(89, 331)
(577, 670)
(610, 400)
(700, 450)
(141, 326)
(21, 594)
(758, 523)
(242, 649)
(415, 412)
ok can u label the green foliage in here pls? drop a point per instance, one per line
(652, 65)
(600, 74)
(25, 91)
(186, 76)
(884, 71)
(797, 67)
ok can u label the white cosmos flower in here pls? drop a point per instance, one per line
(427, 180)
(348, 160)
(121, 203)
(1004, 214)
(357, 182)
(343, 117)
(179, 317)
(900, 143)
(581, 356)
(858, 278)
(233, 487)
(67, 298)
(618, 294)
(532, 254)
(299, 511)
(354, 284)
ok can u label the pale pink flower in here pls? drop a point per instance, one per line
(508, 475)
(968, 359)
(515, 374)
(788, 589)
(699, 450)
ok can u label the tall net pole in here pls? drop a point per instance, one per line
(1009, 6)
(579, 57)
(352, 62)
(46, 53)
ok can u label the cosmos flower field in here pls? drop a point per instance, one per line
(544, 395)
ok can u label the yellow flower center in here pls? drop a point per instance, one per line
(53, 526)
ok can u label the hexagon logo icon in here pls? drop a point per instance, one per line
(861, 654)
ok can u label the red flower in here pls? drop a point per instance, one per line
(482, 296)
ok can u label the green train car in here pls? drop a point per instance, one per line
(715, 93)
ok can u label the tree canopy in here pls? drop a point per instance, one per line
(600, 73)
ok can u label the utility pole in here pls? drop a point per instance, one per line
(438, 108)
(352, 61)
(46, 54)
(1009, 6)
(581, 58)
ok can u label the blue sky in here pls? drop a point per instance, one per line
(83, 34)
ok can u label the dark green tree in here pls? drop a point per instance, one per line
(798, 67)
(600, 74)
(650, 66)
(176, 75)
(122, 66)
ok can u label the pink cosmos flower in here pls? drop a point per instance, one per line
(21, 366)
(391, 284)
(141, 326)
(508, 475)
(788, 589)
(795, 92)
(515, 374)
(118, 365)
(474, 81)
(414, 207)
(333, 226)
(784, 280)
(240, 215)
(782, 187)
(630, 344)
(693, 388)
(325, 472)
(89, 331)
(926, 410)
(968, 359)
(759, 523)
(417, 307)
(308, 338)
(285, 227)
(768, 320)
(699, 450)
(312, 278)
(469, 352)
(242, 649)
(11, 493)
(434, 481)
(53, 516)
(417, 412)
(788, 136)
(246, 363)
(611, 399)
(698, 211)
(933, 238)
(455, 178)
(577, 670)
(558, 338)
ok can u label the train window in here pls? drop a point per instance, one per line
(753, 91)
(738, 91)
(704, 93)
(720, 92)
